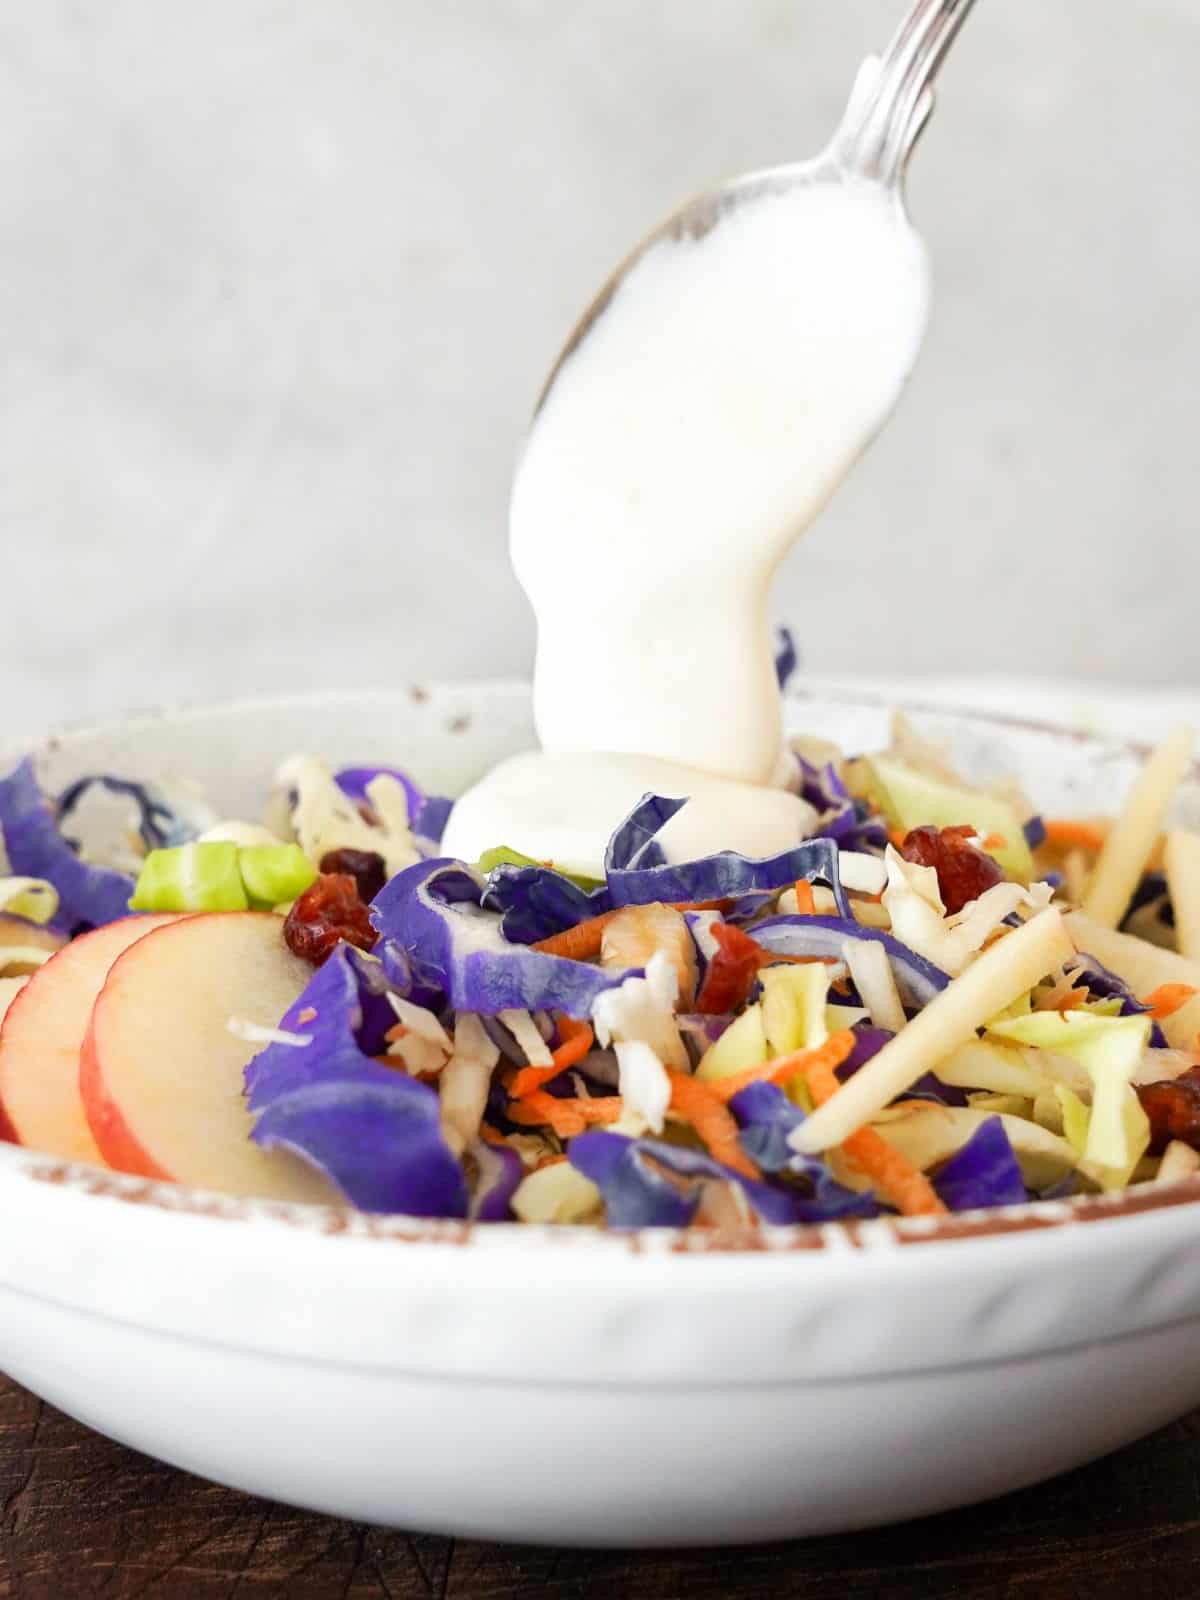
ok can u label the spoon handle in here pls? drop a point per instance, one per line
(889, 109)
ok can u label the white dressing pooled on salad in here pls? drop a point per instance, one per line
(560, 808)
(697, 429)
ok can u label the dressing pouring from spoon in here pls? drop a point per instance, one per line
(702, 412)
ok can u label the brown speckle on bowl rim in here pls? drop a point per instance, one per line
(879, 1233)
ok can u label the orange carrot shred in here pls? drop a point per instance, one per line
(897, 837)
(579, 943)
(712, 1120)
(806, 901)
(577, 1041)
(549, 1161)
(782, 1069)
(566, 1117)
(1063, 833)
(396, 1031)
(1071, 1001)
(491, 1135)
(994, 841)
(1167, 999)
(893, 1174)
(583, 941)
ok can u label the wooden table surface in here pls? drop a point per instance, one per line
(82, 1516)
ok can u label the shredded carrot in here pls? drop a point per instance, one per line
(1071, 1001)
(894, 1175)
(307, 1014)
(712, 1120)
(782, 1069)
(806, 901)
(579, 943)
(577, 1040)
(1167, 999)
(548, 1161)
(994, 841)
(583, 941)
(1063, 833)
(897, 837)
(566, 1117)
(397, 1031)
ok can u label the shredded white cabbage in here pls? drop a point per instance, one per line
(20, 956)
(465, 1081)
(863, 873)
(255, 1033)
(419, 1020)
(644, 1084)
(419, 1055)
(643, 1008)
(871, 973)
(324, 818)
(528, 1037)
(31, 898)
(914, 904)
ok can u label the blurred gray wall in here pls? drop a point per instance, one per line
(279, 280)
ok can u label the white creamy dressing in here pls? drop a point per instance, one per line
(695, 432)
(563, 808)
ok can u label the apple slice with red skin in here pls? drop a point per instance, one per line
(43, 1029)
(160, 1073)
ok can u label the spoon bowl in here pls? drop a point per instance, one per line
(888, 109)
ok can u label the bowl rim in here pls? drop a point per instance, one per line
(85, 1180)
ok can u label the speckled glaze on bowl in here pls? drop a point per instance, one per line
(568, 1386)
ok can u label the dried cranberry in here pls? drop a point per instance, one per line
(366, 867)
(1173, 1108)
(330, 911)
(731, 971)
(963, 870)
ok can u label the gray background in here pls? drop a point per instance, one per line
(280, 279)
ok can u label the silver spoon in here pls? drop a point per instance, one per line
(887, 111)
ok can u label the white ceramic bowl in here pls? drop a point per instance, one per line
(567, 1386)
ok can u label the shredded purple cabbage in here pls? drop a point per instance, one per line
(766, 1117)
(353, 781)
(427, 813)
(869, 1041)
(536, 902)
(985, 1172)
(379, 1139)
(500, 1174)
(849, 823)
(1035, 832)
(787, 657)
(435, 933)
(430, 821)
(637, 871)
(638, 1194)
(349, 1017)
(374, 1131)
(917, 979)
(1103, 984)
(88, 896)
(160, 827)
